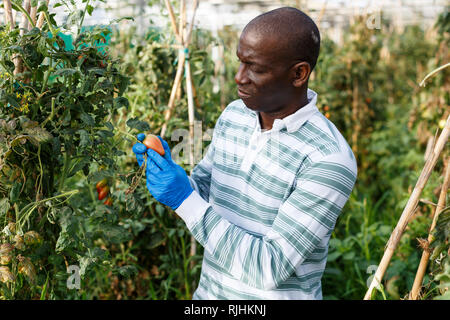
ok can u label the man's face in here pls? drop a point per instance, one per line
(263, 78)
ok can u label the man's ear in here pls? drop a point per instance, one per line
(301, 71)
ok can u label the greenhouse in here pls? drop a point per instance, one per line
(224, 150)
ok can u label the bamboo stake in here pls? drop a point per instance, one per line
(24, 22)
(23, 27)
(426, 253)
(182, 21)
(33, 14)
(172, 20)
(409, 209)
(176, 84)
(355, 118)
(181, 61)
(4, 16)
(40, 21)
(322, 12)
(191, 25)
(8, 13)
(179, 74)
(10, 18)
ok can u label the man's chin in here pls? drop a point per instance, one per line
(252, 106)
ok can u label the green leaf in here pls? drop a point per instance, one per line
(79, 165)
(121, 102)
(93, 257)
(141, 126)
(65, 72)
(349, 255)
(4, 206)
(85, 139)
(127, 271)
(156, 240)
(333, 256)
(89, 9)
(65, 242)
(96, 176)
(109, 125)
(115, 234)
(87, 119)
(105, 134)
(15, 192)
(12, 101)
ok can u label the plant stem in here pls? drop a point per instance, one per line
(126, 133)
(52, 113)
(47, 74)
(82, 18)
(185, 265)
(47, 17)
(64, 172)
(33, 206)
(18, 7)
(422, 83)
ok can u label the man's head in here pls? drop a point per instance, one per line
(278, 50)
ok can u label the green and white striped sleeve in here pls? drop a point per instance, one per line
(306, 218)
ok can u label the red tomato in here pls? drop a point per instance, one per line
(103, 193)
(108, 201)
(101, 183)
(152, 142)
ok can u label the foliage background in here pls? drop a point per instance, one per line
(139, 249)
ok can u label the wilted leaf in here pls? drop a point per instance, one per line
(38, 135)
(26, 267)
(6, 275)
(31, 238)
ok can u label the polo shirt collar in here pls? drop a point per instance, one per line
(294, 121)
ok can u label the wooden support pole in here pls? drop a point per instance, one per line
(24, 23)
(409, 209)
(40, 21)
(8, 13)
(414, 295)
(172, 20)
(181, 28)
(33, 14)
(176, 84)
(185, 41)
(191, 25)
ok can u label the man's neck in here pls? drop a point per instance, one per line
(267, 119)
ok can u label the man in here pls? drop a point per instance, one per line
(264, 200)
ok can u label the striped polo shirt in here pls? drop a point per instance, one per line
(265, 203)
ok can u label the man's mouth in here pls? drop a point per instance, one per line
(243, 94)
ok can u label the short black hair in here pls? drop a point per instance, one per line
(299, 32)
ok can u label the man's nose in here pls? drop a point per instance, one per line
(241, 75)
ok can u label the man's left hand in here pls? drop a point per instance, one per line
(166, 181)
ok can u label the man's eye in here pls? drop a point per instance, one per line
(257, 70)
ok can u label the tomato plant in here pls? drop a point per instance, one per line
(56, 128)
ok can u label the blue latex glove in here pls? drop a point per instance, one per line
(166, 181)
(140, 149)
